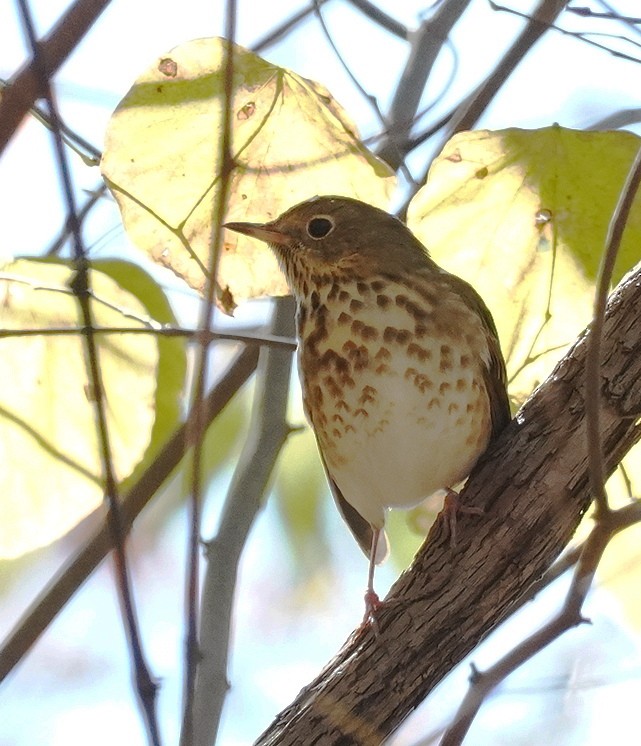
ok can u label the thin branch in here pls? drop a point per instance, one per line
(285, 28)
(267, 434)
(91, 155)
(60, 589)
(426, 45)
(26, 86)
(382, 19)
(545, 13)
(579, 36)
(471, 110)
(145, 685)
(192, 653)
(593, 359)
(263, 340)
(569, 616)
(65, 234)
(610, 16)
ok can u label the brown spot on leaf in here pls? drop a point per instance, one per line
(246, 111)
(168, 67)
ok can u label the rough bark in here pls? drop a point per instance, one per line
(533, 485)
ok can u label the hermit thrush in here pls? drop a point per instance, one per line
(402, 374)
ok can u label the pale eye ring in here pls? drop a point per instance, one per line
(320, 226)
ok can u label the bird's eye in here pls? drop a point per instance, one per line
(320, 226)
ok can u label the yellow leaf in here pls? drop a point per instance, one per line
(49, 447)
(291, 141)
(522, 215)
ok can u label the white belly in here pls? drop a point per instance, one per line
(396, 421)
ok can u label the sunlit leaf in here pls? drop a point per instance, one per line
(523, 215)
(50, 452)
(291, 141)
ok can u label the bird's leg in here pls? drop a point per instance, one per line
(372, 601)
(451, 507)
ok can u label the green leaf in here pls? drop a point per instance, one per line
(522, 215)
(291, 141)
(50, 458)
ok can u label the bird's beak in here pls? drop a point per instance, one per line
(262, 231)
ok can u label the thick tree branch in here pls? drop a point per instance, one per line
(534, 487)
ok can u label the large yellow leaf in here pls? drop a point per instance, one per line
(523, 215)
(291, 141)
(50, 465)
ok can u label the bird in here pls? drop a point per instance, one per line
(402, 375)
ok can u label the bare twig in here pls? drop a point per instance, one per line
(26, 86)
(267, 433)
(538, 24)
(593, 360)
(578, 35)
(145, 686)
(385, 21)
(60, 590)
(569, 616)
(281, 31)
(426, 45)
(263, 340)
(192, 654)
(470, 111)
(65, 234)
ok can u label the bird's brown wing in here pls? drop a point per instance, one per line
(495, 374)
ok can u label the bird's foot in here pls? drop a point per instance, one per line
(372, 604)
(452, 506)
